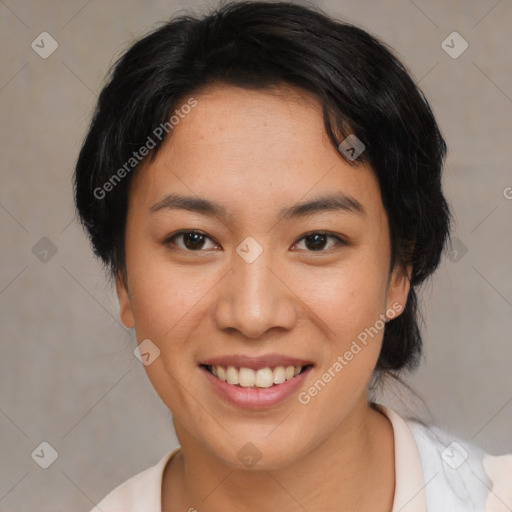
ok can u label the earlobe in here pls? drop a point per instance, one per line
(398, 289)
(125, 306)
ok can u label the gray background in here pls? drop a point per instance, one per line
(68, 375)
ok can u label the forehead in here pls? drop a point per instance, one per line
(250, 148)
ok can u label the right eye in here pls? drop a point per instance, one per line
(190, 240)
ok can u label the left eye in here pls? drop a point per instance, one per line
(317, 241)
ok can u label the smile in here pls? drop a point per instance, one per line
(262, 378)
(263, 386)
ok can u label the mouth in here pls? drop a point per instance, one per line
(256, 382)
(262, 378)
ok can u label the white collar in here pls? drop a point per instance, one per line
(410, 485)
(143, 492)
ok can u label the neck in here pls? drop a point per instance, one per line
(351, 469)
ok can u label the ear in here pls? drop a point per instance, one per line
(398, 289)
(125, 305)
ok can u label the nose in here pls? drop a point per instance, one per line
(253, 298)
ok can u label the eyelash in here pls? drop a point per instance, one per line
(339, 240)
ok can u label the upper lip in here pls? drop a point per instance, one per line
(256, 362)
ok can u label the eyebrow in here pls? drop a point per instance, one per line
(331, 202)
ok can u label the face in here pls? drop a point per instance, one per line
(251, 243)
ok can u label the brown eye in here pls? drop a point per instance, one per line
(318, 241)
(191, 240)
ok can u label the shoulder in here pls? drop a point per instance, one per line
(458, 474)
(140, 493)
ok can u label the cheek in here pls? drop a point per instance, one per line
(165, 298)
(347, 298)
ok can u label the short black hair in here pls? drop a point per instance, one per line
(364, 91)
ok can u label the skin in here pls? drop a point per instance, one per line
(254, 153)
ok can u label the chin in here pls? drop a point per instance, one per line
(257, 453)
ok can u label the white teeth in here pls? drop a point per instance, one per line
(247, 377)
(262, 378)
(280, 374)
(232, 375)
(221, 373)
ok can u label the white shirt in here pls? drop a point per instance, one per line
(434, 472)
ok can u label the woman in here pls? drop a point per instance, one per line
(264, 185)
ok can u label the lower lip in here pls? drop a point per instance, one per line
(256, 398)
